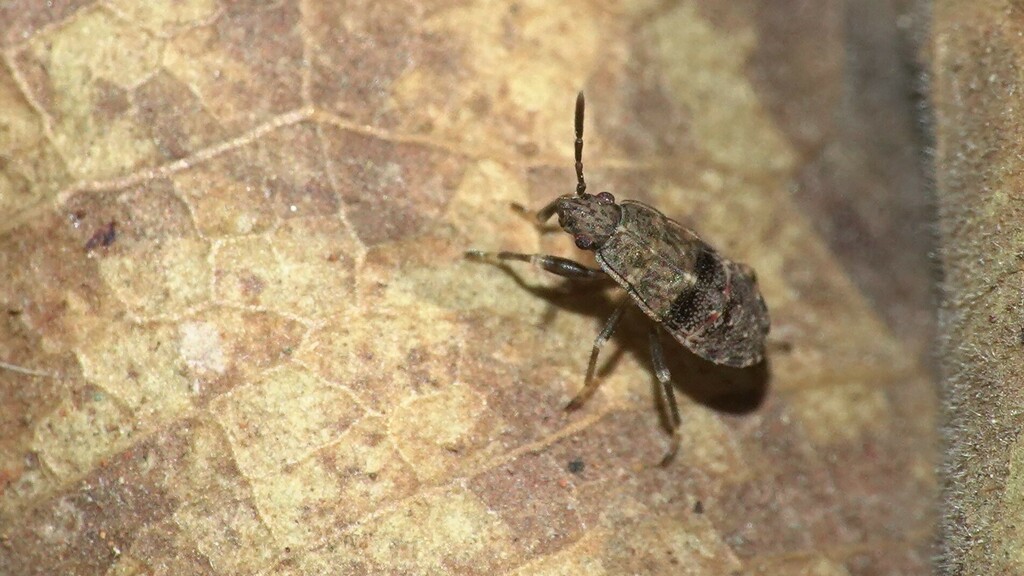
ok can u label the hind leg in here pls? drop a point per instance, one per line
(666, 393)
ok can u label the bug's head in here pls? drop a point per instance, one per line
(590, 219)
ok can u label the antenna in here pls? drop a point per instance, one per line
(581, 185)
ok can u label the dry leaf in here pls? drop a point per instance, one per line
(235, 235)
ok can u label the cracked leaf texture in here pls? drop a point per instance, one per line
(232, 256)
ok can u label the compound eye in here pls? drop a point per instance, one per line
(584, 242)
(606, 198)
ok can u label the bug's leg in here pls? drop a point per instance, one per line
(554, 264)
(540, 217)
(535, 219)
(668, 395)
(590, 383)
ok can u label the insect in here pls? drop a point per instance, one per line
(709, 304)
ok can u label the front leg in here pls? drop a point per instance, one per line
(540, 218)
(536, 218)
(542, 215)
(554, 264)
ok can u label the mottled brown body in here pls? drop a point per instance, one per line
(709, 304)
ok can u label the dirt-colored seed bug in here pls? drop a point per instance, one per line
(711, 305)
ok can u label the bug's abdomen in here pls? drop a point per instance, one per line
(736, 337)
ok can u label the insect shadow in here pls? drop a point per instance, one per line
(721, 388)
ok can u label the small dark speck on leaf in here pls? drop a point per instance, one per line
(698, 507)
(576, 466)
(528, 149)
(104, 236)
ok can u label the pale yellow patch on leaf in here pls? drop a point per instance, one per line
(282, 418)
(708, 75)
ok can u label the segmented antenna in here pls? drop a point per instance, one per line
(581, 184)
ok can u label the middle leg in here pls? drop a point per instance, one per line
(590, 383)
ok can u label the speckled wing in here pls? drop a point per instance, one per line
(651, 257)
(709, 304)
